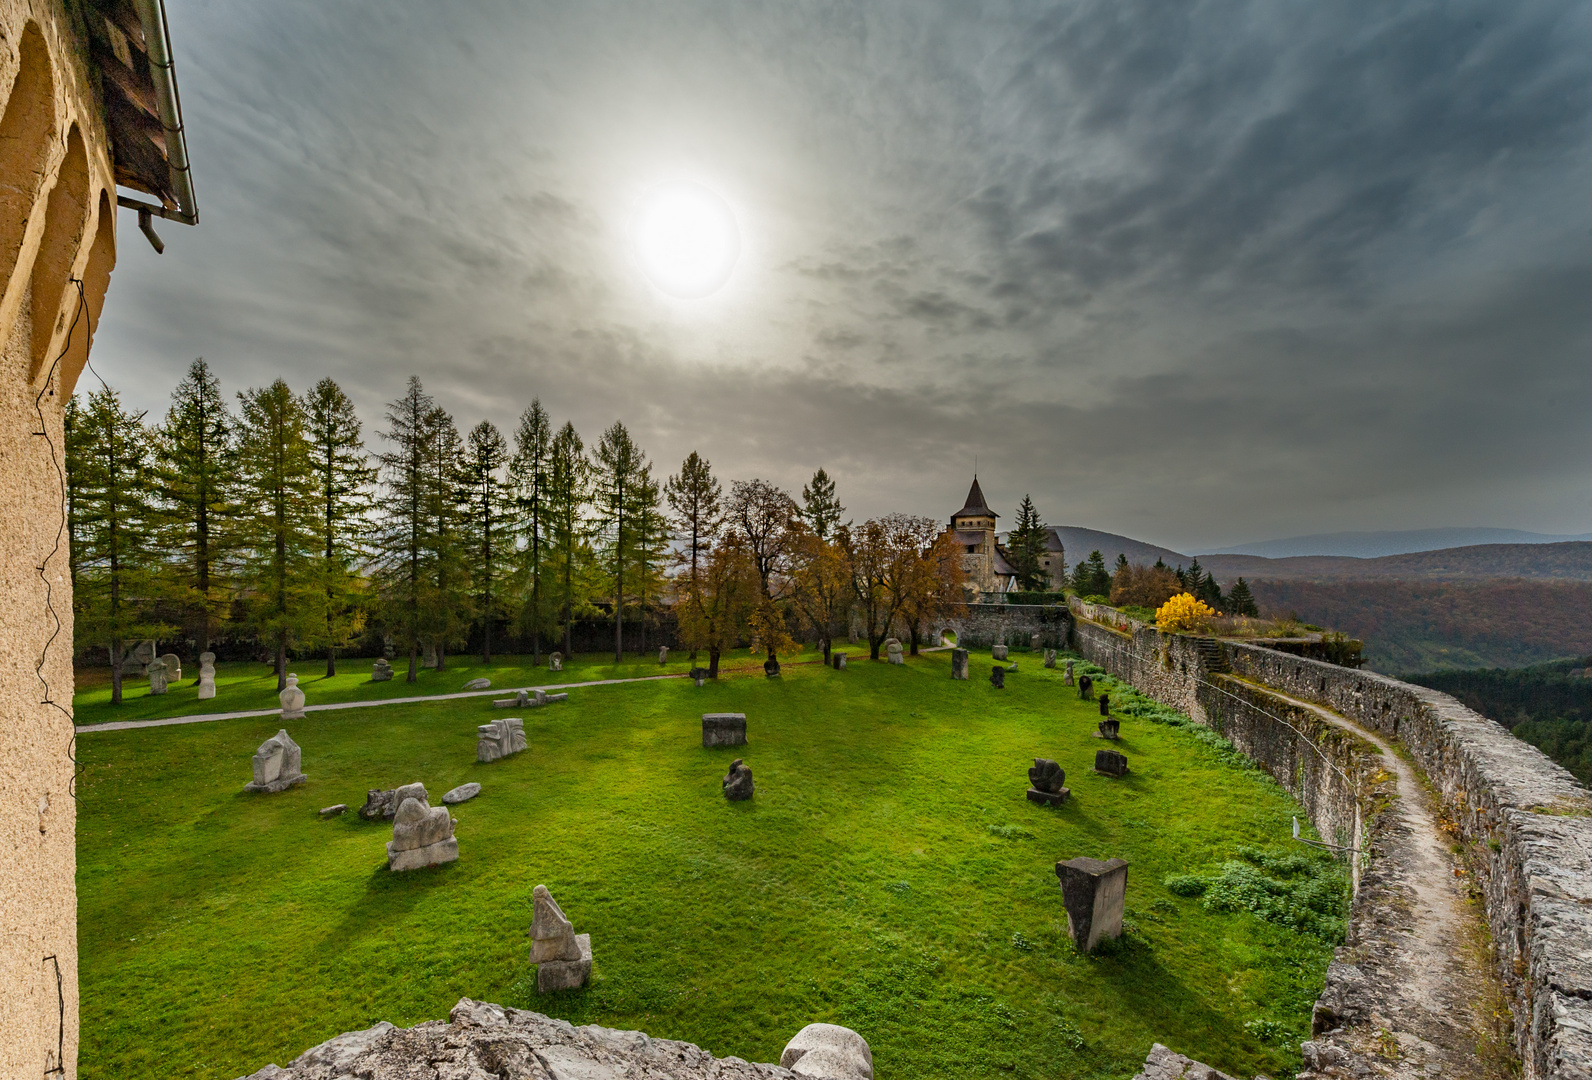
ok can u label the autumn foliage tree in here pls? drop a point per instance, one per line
(1143, 586)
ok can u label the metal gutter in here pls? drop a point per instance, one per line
(157, 42)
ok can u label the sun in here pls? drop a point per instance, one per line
(686, 240)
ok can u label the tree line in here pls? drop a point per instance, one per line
(272, 522)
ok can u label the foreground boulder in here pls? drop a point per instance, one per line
(562, 957)
(422, 834)
(828, 1051)
(482, 1040)
(1163, 1064)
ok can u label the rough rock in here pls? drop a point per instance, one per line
(738, 782)
(478, 684)
(828, 1051)
(276, 765)
(480, 1041)
(462, 793)
(1163, 1064)
(333, 811)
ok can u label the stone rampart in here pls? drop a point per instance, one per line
(983, 625)
(1526, 822)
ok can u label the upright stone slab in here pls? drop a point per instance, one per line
(738, 782)
(555, 662)
(1111, 763)
(1110, 729)
(998, 652)
(997, 677)
(840, 661)
(959, 660)
(173, 664)
(428, 658)
(724, 729)
(1105, 704)
(1085, 688)
(699, 675)
(381, 670)
(499, 739)
(1048, 783)
(771, 667)
(207, 676)
(422, 834)
(292, 699)
(276, 765)
(1050, 658)
(1068, 680)
(1094, 893)
(663, 654)
(156, 670)
(892, 650)
(563, 957)
(1033, 643)
(828, 1051)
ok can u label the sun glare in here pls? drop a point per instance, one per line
(686, 239)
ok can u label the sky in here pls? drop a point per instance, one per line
(1199, 273)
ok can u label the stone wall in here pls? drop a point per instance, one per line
(1526, 822)
(983, 625)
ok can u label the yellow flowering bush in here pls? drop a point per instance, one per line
(1183, 612)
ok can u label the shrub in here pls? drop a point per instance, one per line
(1302, 893)
(1183, 612)
(1143, 586)
(1185, 884)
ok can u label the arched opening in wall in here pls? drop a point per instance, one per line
(96, 279)
(64, 218)
(948, 636)
(27, 131)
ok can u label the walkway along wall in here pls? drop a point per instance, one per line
(1526, 822)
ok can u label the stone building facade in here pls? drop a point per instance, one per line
(86, 107)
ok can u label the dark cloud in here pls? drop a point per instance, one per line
(1200, 272)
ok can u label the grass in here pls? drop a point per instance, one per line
(889, 876)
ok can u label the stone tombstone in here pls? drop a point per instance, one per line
(562, 957)
(663, 654)
(1085, 688)
(1033, 643)
(381, 670)
(157, 676)
(462, 793)
(276, 765)
(144, 653)
(1094, 893)
(422, 834)
(292, 699)
(959, 664)
(852, 636)
(428, 658)
(771, 667)
(724, 729)
(520, 700)
(555, 662)
(1048, 783)
(1050, 658)
(1105, 704)
(207, 676)
(699, 675)
(1110, 729)
(333, 811)
(499, 739)
(997, 677)
(840, 661)
(828, 1051)
(738, 782)
(1068, 680)
(998, 652)
(1111, 763)
(173, 664)
(478, 684)
(893, 651)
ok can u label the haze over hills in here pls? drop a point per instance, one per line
(1371, 545)
(1079, 542)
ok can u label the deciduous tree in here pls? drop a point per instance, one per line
(767, 517)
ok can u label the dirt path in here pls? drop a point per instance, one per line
(1418, 944)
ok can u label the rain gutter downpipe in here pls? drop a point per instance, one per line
(157, 41)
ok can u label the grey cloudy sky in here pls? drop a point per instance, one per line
(1200, 273)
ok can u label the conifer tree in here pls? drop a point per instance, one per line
(1090, 577)
(1025, 546)
(112, 528)
(695, 503)
(343, 476)
(620, 470)
(1241, 600)
(194, 478)
(400, 538)
(566, 497)
(278, 528)
(820, 508)
(446, 614)
(490, 523)
(650, 550)
(527, 480)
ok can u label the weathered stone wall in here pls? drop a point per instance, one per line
(983, 625)
(1527, 822)
(57, 227)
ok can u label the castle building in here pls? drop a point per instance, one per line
(984, 558)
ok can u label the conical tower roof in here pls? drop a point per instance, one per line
(975, 503)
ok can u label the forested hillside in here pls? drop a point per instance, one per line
(1548, 705)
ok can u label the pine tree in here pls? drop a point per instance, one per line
(650, 549)
(400, 537)
(1241, 600)
(566, 497)
(1122, 563)
(490, 524)
(1090, 577)
(619, 470)
(1026, 546)
(112, 526)
(528, 481)
(446, 614)
(195, 477)
(278, 527)
(820, 508)
(696, 503)
(343, 476)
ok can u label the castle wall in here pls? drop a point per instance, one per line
(983, 625)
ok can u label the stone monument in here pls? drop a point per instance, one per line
(997, 677)
(1105, 704)
(1094, 893)
(138, 657)
(384, 804)
(1050, 658)
(1085, 688)
(699, 675)
(562, 957)
(207, 676)
(499, 739)
(1111, 763)
(771, 667)
(173, 664)
(1068, 680)
(998, 652)
(738, 782)
(1110, 729)
(828, 1051)
(462, 793)
(381, 670)
(292, 699)
(839, 660)
(1049, 783)
(422, 834)
(959, 664)
(477, 684)
(555, 662)
(663, 654)
(892, 649)
(276, 765)
(156, 670)
(1033, 643)
(724, 729)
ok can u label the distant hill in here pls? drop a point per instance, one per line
(1080, 542)
(1372, 545)
(1547, 562)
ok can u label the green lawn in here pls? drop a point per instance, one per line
(242, 685)
(888, 876)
